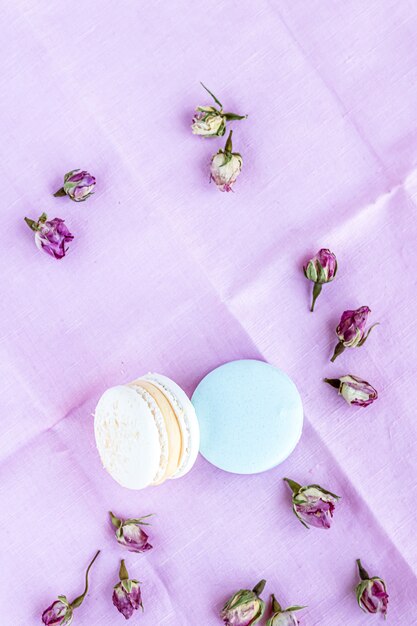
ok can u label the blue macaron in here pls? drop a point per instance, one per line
(250, 416)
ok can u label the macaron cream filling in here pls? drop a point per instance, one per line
(183, 421)
(172, 427)
(160, 424)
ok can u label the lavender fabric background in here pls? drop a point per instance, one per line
(167, 274)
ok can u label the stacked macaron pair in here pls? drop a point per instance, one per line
(146, 432)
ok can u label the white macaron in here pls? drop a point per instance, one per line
(146, 432)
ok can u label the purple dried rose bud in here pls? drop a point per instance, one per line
(61, 612)
(351, 330)
(130, 533)
(127, 596)
(354, 390)
(320, 269)
(51, 236)
(313, 505)
(281, 617)
(245, 607)
(78, 185)
(371, 593)
(211, 122)
(226, 166)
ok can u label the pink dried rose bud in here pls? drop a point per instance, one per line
(245, 607)
(209, 121)
(283, 617)
(130, 533)
(61, 612)
(354, 390)
(320, 269)
(127, 596)
(351, 330)
(226, 166)
(313, 505)
(371, 593)
(78, 185)
(51, 236)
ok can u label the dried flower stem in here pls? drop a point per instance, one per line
(316, 292)
(258, 589)
(76, 603)
(362, 571)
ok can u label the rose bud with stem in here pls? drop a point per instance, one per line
(371, 593)
(351, 330)
(51, 236)
(211, 122)
(245, 607)
(320, 269)
(127, 596)
(226, 166)
(78, 185)
(130, 533)
(313, 505)
(354, 390)
(61, 612)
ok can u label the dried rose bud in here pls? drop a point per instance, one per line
(211, 122)
(51, 236)
(127, 596)
(78, 185)
(354, 390)
(129, 533)
(320, 269)
(61, 612)
(281, 617)
(225, 166)
(313, 505)
(208, 122)
(351, 330)
(245, 607)
(371, 593)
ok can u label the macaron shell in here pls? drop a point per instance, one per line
(250, 414)
(162, 431)
(127, 437)
(187, 420)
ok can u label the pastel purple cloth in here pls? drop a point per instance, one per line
(167, 274)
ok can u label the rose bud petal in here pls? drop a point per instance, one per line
(354, 390)
(51, 236)
(211, 122)
(226, 166)
(78, 185)
(313, 505)
(245, 607)
(127, 596)
(130, 533)
(60, 613)
(371, 593)
(320, 269)
(281, 617)
(351, 330)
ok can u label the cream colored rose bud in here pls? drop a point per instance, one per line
(226, 166)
